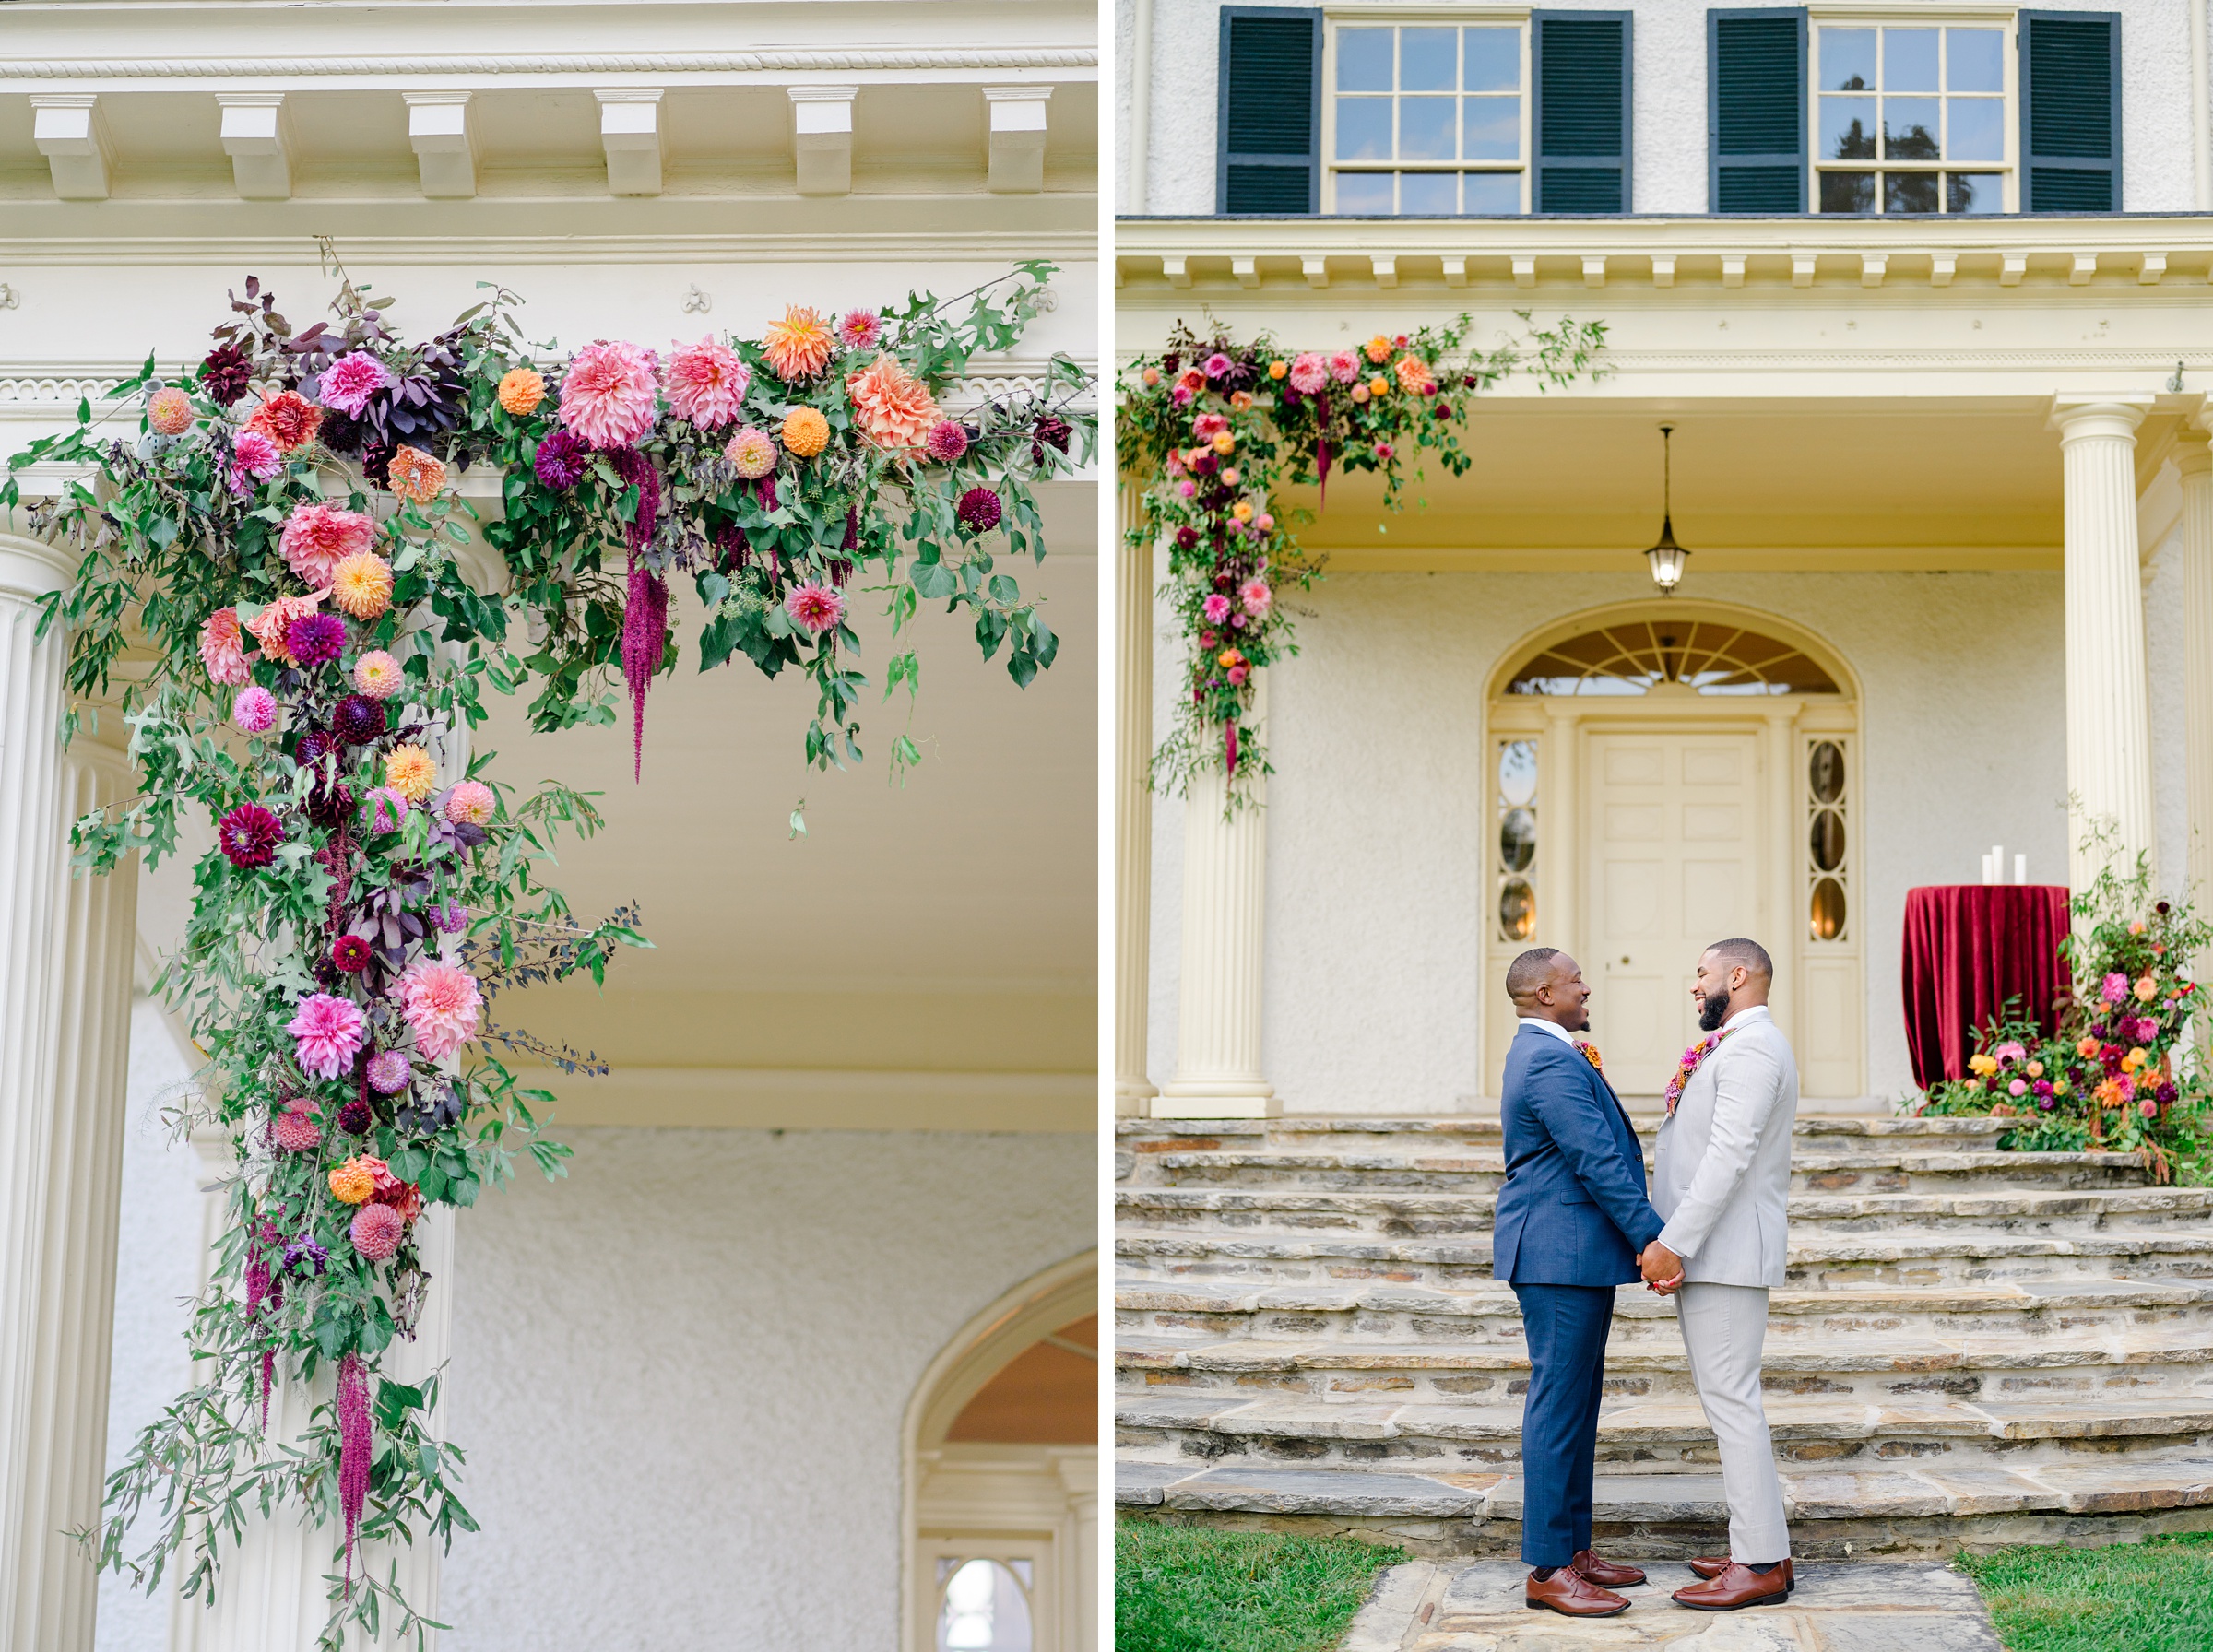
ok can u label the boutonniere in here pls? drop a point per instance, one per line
(1692, 1058)
(1590, 1052)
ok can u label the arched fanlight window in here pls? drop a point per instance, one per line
(1634, 657)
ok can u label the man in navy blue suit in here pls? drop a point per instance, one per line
(1572, 1222)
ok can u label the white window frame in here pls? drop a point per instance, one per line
(2004, 20)
(1333, 18)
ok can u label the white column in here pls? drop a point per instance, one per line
(2194, 461)
(1080, 1479)
(32, 864)
(1132, 814)
(2109, 716)
(1225, 885)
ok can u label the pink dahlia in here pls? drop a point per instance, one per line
(818, 608)
(440, 1002)
(948, 440)
(1344, 367)
(2115, 987)
(1207, 426)
(296, 1132)
(1257, 598)
(384, 809)
(751, 452)
(169, 412)
(1308, 374)
(223, 650)
(329, 1031)
(389, 1072)
(607, 396)
(350, 380)
(471, 803)
(248, 836)
(255, 711)
(377, 675)
(1216, 609)
(860, 330)
(377, 1231)
(256, 455)
(705, 382)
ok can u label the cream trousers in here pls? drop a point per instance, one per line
(1724, 1327)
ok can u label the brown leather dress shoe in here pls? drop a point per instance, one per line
(1606, 1574)
(1736, 1588)
(1714, 1565)
(1569, 1592)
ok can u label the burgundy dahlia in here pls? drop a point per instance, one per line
(355, 1118)
(249, 835)
(226, 373)
(351, 953)
(978, 511)
(357, 720)
(312, 746)
(1052, 431)
(561, 459)
(331, 805)
(316, 639)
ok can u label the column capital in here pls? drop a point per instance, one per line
(2193, 450)
(2076, 417)
(30, 568)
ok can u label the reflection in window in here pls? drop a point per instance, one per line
(1517, 840)
(1428, 120)
(1634, 658)
(1827, 874)
(986, 1606)
(1910, 99)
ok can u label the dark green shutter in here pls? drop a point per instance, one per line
(1581, 61)
(1269, 157)
(1755, 110)
(2071, 110)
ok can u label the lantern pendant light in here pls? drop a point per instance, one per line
(1666, 557)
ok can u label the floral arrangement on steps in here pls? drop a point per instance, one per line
(2117, 1070)
(1214, 429)
(270, 565)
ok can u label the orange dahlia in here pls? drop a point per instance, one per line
(806, 432)
(361, 584)
(416, 476)
(521, 390)
(1377, 350)
(894, 410)
(1414, 376)
(410, 772)
(288, 419)
(798, 347)
(352, 1182)
(169, 410)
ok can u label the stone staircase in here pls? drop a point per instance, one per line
(1971, 1346)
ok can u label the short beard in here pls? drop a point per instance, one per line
(1713, 1012)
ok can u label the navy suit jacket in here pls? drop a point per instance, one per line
(1573, 1210)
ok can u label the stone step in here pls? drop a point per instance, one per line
(2050, 1354)
(1417, 1316)
(1829, 1429)
(1810, 1132)
(1902, 1508)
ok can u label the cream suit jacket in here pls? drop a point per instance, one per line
(1721, 1174)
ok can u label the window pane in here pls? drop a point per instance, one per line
(1426, 60)
(1493, 195)
(1977, 131)
(1492, 129)
(1364, 60)
(1909, 192)
(1432, 195)
(1848, 60)
(1840, 192)
(1828, 914)
(1909, 60)
(1517, 910)
(1363, 128)
(1847, 129)
(1974, 191)
(985, 1611)
(1825, 771)
(1493, 60)
(1518, 840)
(1426, 128)
(1909, 129)
(1827, 840)
(1365, 195)
(1975, 60)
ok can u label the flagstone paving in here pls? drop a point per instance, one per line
(1876, 1605)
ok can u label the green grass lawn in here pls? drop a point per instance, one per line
(1185, 1588)
(2155, 1597)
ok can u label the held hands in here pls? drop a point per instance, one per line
(1663, 1269)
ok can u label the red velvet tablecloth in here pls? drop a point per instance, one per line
(1969, 947)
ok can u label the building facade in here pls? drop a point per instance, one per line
(1922, 295)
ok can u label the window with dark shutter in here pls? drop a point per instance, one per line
(1579, 61)
(1269, 111)
(2071, 110)
(1755, 110)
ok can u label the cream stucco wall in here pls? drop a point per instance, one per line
(1670, 102)
(1380, 808)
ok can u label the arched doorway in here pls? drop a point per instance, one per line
(1002, 1476)
(1664, 773)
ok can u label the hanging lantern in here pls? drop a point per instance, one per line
(1666, 557)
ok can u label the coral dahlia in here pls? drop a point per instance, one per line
(415, 476)
(1258, 597)
(705, 382)
(377, 675)
(471, 803)
(410, 772)
(751, 452)
(521, 390)
(328, 1033)
(817, 608)
(169, 412)
(440, 1002)
(296, 1132)
(255, 711)
(978, 511)
(1414, 376)
(607, 395)
(288, 419)
(272, 627)
(222, 650)
(894, 408)
(361, 584)
(349, 383)
(377, 1231)
(798, 347)
(249, 835)
(317, 537)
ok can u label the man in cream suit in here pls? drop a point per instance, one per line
(1721, 1182)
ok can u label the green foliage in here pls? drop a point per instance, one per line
(1187, 1588)
(2151, 1596)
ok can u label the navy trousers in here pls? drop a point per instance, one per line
(1566, 1326)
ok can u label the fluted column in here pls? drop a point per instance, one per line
(32, 864)
(2194, 461)
(1132, 812)
(2108, 715)
(1080, 1479)
(1225, 885)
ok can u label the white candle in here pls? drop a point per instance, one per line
(2020, 868)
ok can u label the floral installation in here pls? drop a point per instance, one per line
(280, 534)
(2115, 1069)
(1214, 431)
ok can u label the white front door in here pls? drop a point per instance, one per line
(1675, 863)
